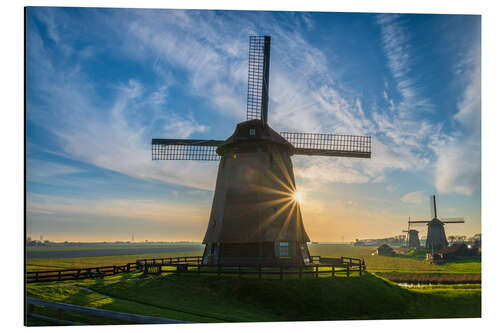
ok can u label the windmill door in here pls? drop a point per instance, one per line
(305, 253)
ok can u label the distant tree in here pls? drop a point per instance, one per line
(451, 239)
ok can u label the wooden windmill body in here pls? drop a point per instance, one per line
(436, 236)
(413, 241)
(255, 217)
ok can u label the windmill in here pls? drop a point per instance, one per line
(436, 237)
(413, 241)
(255, 216)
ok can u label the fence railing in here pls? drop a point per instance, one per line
(92, 313)
(79, 273)
(193, 265)
(319, 266)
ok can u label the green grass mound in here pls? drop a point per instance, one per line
(232, 299)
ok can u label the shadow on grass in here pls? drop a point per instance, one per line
(231, 299)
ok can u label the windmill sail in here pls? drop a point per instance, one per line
(255, 218)
(258, 77)
(433, 207)
(329, 144)
(453, 220)
(181, 149)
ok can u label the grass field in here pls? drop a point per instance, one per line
(410, 267)
(229, 299)
(61, 263)
(191, 298)
(107, 247)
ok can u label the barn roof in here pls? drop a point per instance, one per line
(453, 248)
(384, 247)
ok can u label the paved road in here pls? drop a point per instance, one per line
(107, 252)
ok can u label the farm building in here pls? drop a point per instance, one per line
(456, 251)
(385, 250)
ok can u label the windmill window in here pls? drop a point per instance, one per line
(284, 249)
(252, 131)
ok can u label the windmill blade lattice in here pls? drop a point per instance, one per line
(433, 206)
(258, 77)
(179, 149)
(329, 144)
(453, 220)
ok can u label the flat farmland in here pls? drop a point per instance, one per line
(99, 252)
(62, 258)
(398, 268)
(397, 263)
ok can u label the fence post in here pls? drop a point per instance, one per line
(199, 267)
(36, 276)
(333, 270)
(317, 271)
(347, 270)
(59, 275)
(281, 271)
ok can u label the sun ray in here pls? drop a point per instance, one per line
(290, 189)
(273, 217)
(246, 208)
(276, 154)
(270, 190)
(284, 226)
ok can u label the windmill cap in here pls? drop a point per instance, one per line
(251, 133)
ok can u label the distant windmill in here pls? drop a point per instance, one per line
(436, 237)
(256, 215)
(413, 241)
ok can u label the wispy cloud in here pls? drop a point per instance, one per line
(395, 41)
(414, 197)
(458, 166)
(152, 219)
(44, 171)
(306, 96)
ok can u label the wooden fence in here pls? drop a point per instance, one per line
(92, 313)
(79, 273)
(193, 265)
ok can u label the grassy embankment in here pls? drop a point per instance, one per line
(208, 299)
(232, 299)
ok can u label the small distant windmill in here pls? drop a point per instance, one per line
(256, 215)
(436, 237)
(413, 241)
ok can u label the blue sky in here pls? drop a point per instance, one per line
(102, 82)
